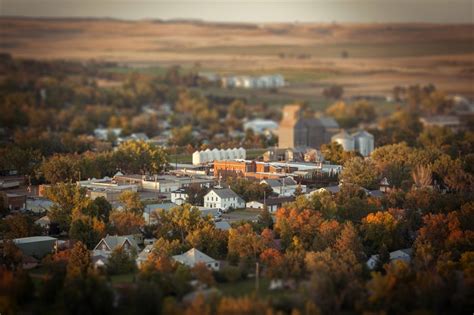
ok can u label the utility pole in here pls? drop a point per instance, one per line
(257, 280)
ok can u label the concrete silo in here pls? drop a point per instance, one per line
(363, 142)
(345, 140)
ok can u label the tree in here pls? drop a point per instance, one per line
(335, 282)
(86, 230)
(334, 153)
(244, 243)
(274, 263)
(178, 222)
(203, 274)
(125, 223)
(17, 226)
(132, 203)
(265, 219)
(140, 157)
(380, 229)
(361, 172)
(69, 200)
(323, 202)
(79, 262)
(61, 168)
(422, 176)
(99, 208)
(196, 194)
(120, 262)
(209, 240)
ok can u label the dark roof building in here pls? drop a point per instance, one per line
(298, 131)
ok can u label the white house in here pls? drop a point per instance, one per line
(398, 255)
(179, 196)
(193, 257)
(223, 198)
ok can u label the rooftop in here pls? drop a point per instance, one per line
(33, 239)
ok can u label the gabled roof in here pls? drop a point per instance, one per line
(225, 193)
(222, 225)
(362, 134)
(193, 257)
(115, 241)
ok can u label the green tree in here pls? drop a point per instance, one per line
(361, 172)
(120, 262)
(140, 157)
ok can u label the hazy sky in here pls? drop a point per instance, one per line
(442, 11)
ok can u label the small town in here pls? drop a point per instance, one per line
(195, 188)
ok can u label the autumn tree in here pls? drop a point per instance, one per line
(69, 200)
(274, 263)
(79, 262)
(208, 239)
(380, 229)
(244, 243)
(17, 226)
(124, 222)
(131, 202)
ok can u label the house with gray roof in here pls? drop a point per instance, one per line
(113, 242)
(283, 186)
(224, 199)
(193, 257)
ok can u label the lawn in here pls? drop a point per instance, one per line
(121, 279)
(244, 287)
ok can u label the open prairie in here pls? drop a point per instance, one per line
(367, 59)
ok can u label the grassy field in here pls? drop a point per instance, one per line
(309, 55)
(354, 50)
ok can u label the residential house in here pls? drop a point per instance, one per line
(193, 257)
(222, 225)
(179, 196)
(283, 186)
(113, 242)
(273, 203)
(223, 198)
(398, 255)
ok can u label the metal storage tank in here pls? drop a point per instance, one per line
(242, 153)
(345, 140)
(207, 155)
(235, 153)
(230, 154)
(197, 158)
(363, 142)
(216, 155)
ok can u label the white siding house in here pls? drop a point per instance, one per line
(223, 199)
